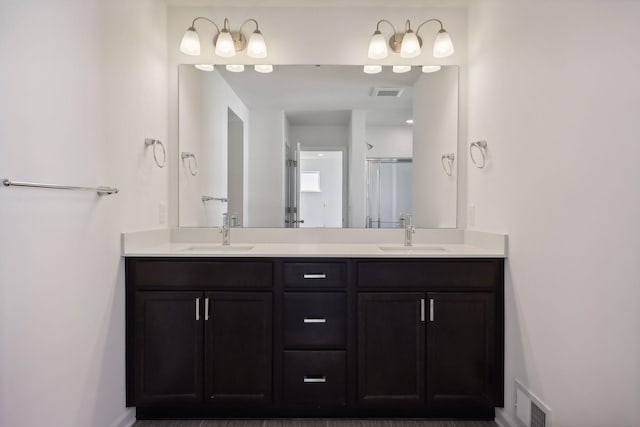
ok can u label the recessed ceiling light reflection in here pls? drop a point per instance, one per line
(401, 68)
(372, 69)
(204, 67)
(235, 68)
(431, 68)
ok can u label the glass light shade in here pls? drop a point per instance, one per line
(443, 45)
(257, 48)
(430, 68)
(204, 67)
(409, 121)
(235, 68)
(190, 44)
(372, 69)
(378, 46)
(401, 68)
(224, 45)
(410, 47)
(263, 68)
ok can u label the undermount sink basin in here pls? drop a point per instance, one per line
(412, 249)
(219, 248)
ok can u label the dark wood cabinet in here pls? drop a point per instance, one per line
(307, 337)
(238, 348)
(390, 349)
(460, 351)
(168, 342)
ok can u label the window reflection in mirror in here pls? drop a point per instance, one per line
(260, 137)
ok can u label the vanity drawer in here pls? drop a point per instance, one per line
(315, 319)
(201, 274)
(315, 378)
(315, 274)
(474, 274)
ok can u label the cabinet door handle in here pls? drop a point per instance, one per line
(422, 309)
(431, 310)
(314, 320)
(314, 276)
(197, 308)
(321, 379)
(206, 309)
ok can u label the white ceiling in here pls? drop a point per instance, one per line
(324, 94)
(322, 3)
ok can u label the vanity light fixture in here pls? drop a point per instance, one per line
(263, 68)
(431, 68)
(372, 69)
(226, 41)
(235, 68)
(409, 121)
(409, 43)
(401, 68)
(204, 67)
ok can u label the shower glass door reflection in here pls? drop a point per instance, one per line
(389, 189)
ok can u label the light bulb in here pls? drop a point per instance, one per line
(430, 68)
(410, 47)
(224, 45)
(190, 44)
(401, 68)
(257, 48)
(235, 68)
(263, 68)
(372, 69)
(409, 121)
(204, 67)
(378, 46)
(443, 45)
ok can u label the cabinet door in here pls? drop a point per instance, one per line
(168, 348)
(238, 366)
(390, 349)
(460, 350)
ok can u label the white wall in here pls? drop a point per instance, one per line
(389, 141)
(83, 83)
(554, 89)
(357, 157)
(266, 196)
(435, 132)
(319, 136)
(283, 27)
(205, 99)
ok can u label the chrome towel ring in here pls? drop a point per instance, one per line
(156, 143)
(480, 146)
(192, 164)
(447, 163)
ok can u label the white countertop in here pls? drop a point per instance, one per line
(353, 244)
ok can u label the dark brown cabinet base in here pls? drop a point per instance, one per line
(314, 337)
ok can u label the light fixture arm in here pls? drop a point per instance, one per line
(387, 22)
(426, 22)
(250, 20)
(193, 24)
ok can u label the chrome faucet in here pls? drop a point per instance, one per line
(226, 229)
(405, 220)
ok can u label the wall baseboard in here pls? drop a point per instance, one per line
(503, 419)
(127, 419)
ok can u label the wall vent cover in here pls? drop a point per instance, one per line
(393, 92)
(529, 409)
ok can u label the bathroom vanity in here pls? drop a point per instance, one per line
(354, 332)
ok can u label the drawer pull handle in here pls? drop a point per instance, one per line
(321, 379)
(313, 320)
(197, 308)
(315, 276)
(206, 309)
(431, 310)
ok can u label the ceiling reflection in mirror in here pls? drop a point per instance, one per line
(318, 146)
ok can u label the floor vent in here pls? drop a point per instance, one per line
(530, 411)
